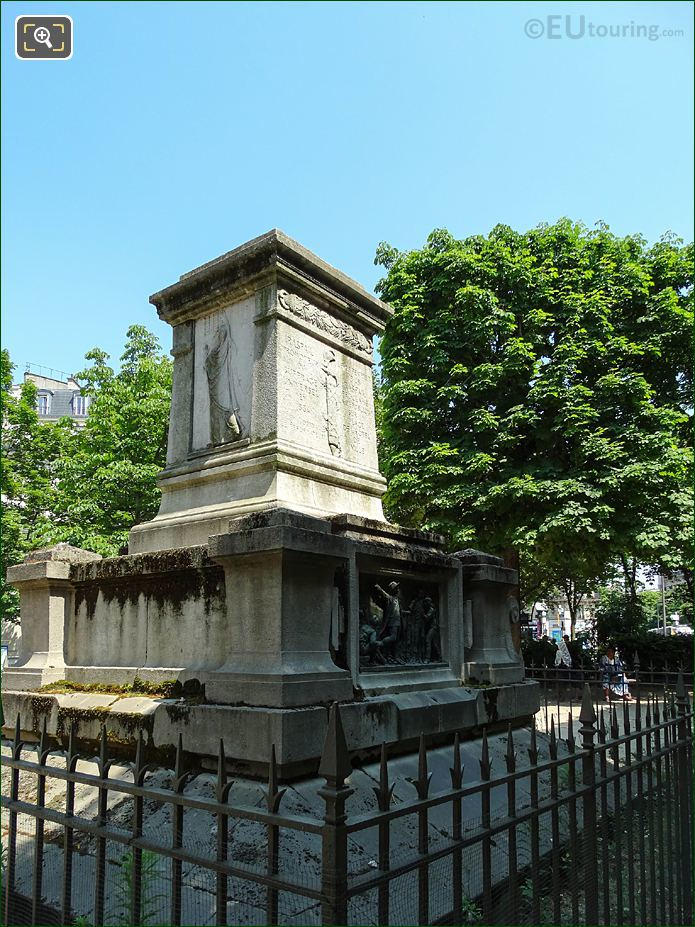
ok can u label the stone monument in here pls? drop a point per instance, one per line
(269, 584)
(272, 393)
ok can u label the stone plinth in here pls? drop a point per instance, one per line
(280, 573)
(272, 393)
(46, 605)
(490, 608)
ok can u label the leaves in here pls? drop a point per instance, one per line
(86, 486)
(537, 390)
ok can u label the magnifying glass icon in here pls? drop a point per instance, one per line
(43, 36)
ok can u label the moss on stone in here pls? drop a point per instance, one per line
(169, 688)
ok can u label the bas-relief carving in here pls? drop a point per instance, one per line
(332, 389)
(406, 633)
(325, 322)
(514, 624)
(222, 402)
(221, 405)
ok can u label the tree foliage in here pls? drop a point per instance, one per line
(85, 486)
(536, 392)
(30, 453)
(107, 478)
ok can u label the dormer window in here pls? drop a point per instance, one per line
(43, 403)
(79, 404)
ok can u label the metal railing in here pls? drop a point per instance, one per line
(588, 831)
(561, 687)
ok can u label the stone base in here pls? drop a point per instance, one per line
(283, 690)
(248, 733)
(495, 674)
(25, 679)
(200, 497)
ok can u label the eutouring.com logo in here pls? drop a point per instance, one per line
(579, 27)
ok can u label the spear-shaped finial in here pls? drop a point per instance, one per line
(181, 777)
(335, 764)
(553, 739)
(44, 748)
(615, 730)
(103, 752)
(638, 714)
(570, 732)
(221, 771)
(17, 742)
(602, 726)
(384, 791)
(533, 748)
(664, 706)
(422, 783)
(71, 757)
(273, 795)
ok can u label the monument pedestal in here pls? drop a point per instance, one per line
(272, 402)
(269, 586)
(280, 573)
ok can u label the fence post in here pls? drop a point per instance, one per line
(384, 794)
(684, 786)
(104, 765)
(274, 796)
(587, 716)
(335, 768)
(37, 890)
(17, 745)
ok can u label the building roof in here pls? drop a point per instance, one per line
(61, 402)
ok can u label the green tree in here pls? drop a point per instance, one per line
(30, 452)
(107, 475)
(536, 390)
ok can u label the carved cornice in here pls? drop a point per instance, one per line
(325, 322)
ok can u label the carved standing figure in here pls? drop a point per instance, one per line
(224, 421)
(390, 631)
(330, 374)
(433, 645)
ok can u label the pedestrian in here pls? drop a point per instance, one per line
(563, 658)
(613, 679)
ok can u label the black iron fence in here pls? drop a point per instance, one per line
(594, 830)
(562, 686)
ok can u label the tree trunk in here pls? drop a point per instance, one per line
(573, 622)
(629, 566)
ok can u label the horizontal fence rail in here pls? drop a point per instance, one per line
(562, 686)
(593, 827)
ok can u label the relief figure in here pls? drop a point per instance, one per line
(331, 385)
(224, 411)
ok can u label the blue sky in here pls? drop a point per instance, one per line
(179, 130)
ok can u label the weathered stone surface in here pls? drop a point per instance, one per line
(489, 608)
(249, 732)
(62, 551)
(269, 583)
(272, 394)
(46, 605)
